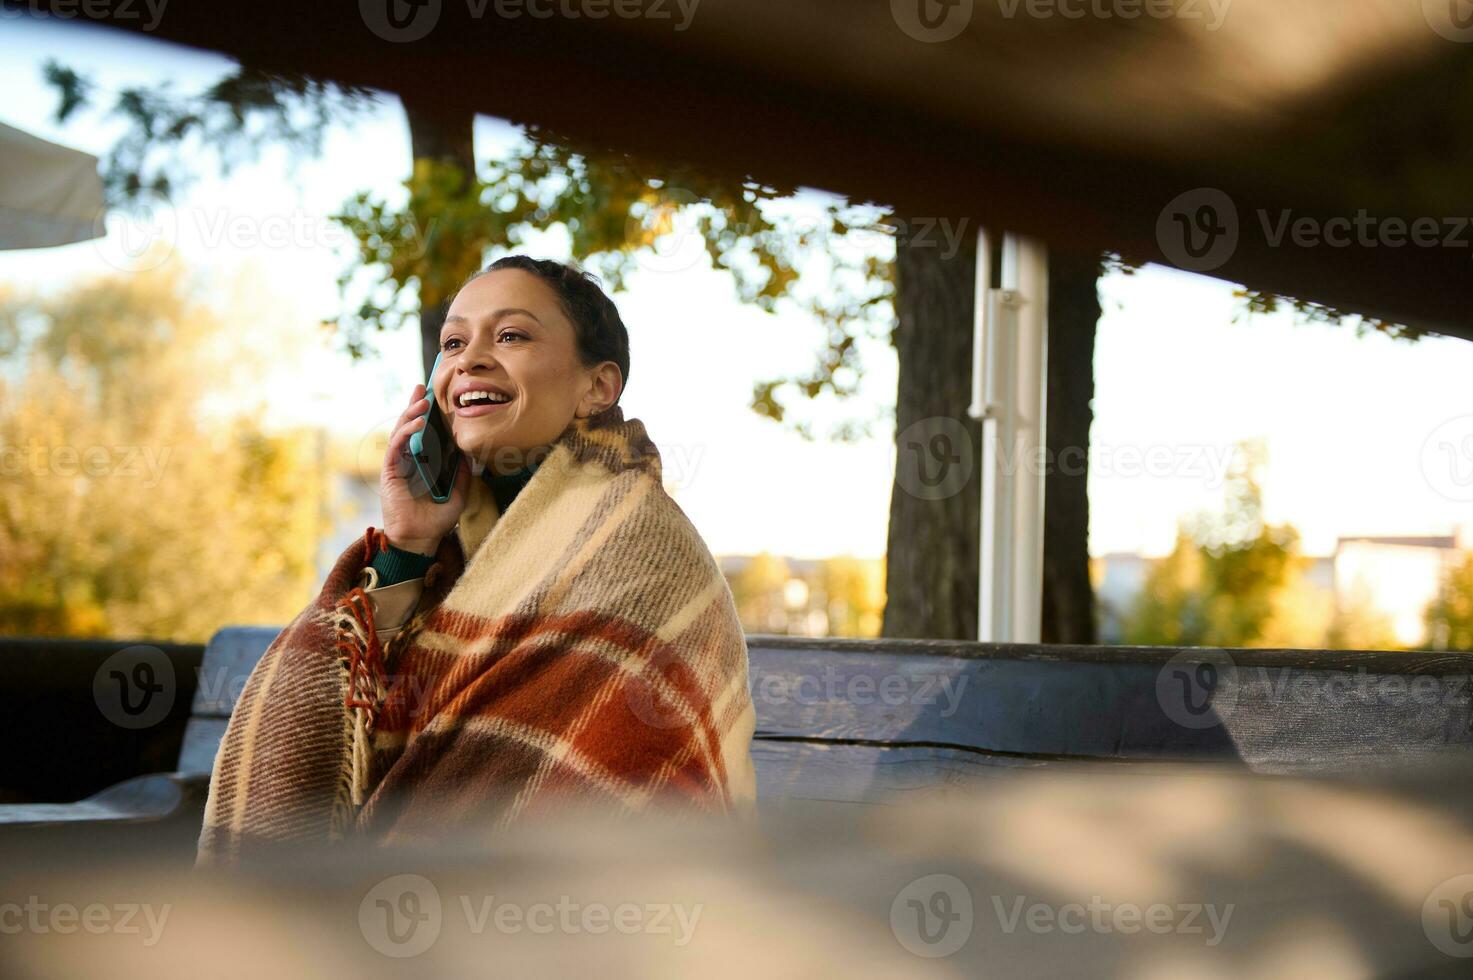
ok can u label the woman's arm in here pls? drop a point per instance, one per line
(393, 584)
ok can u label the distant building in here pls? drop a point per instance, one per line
(1118, 578)
(796, 606)
(1399, 575)
(842, 595)
(1321, 571)
(802, 568)
(356, 506)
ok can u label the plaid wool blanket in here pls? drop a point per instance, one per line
(587, 648)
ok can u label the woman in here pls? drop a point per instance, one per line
(573, 638)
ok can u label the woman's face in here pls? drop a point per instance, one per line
(506, 332)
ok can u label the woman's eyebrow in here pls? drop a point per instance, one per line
(495, 315)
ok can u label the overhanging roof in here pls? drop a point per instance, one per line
(50, 194)
(1080, 130)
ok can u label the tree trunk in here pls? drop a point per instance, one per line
(437, 135)
(1074, 313)
(931, 572)
(931, 557)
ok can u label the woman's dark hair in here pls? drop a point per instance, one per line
(599, 330)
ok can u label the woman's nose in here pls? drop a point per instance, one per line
(480, 353)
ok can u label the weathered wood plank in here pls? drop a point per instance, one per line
(877, 721)
(1376, 661)
(840, 772)
(1278, 711)
(201, 742)
(139, 800)
(229, 657)
(1197, 705)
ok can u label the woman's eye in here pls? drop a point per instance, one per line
(515, 334)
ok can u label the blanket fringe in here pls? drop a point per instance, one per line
(363, 657)
(359, 646)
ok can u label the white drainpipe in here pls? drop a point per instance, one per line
(1009, 394)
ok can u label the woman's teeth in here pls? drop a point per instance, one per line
(482, 397)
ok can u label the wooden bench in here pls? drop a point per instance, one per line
(867, 721)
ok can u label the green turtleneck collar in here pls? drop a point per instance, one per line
(506, 486)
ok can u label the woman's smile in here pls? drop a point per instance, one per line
(479, 408)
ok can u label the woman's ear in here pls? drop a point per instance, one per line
(605, 386)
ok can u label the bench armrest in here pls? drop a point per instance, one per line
(142, 799)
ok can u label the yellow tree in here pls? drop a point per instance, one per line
(1300, 613)
(1450, 615)
(1169, 608)
(139, 496)
(1357, 624)
(1232, 579)
(855, 589)
(758, 592)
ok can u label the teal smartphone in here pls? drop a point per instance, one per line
(436, 458)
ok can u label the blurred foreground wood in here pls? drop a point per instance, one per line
(1084, 870)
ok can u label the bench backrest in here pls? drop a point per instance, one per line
(229, 657)
(865, 720)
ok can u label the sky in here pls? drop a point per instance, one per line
(1352, 425)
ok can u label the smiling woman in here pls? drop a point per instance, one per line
(543, 340)
(574, 636)
(543, 336)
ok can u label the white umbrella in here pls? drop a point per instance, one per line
(49, 194)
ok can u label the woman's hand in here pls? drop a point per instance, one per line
(417, 523)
